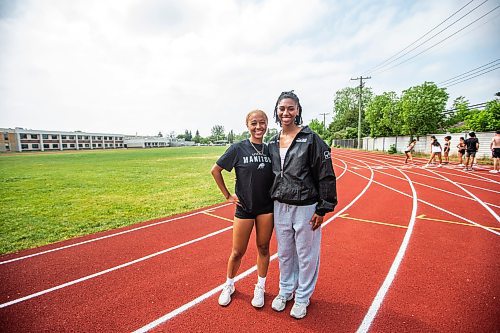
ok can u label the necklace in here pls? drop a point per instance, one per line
(258, 152)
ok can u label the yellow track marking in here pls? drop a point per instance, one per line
(346, 216)
(219, 217)
(423, 217)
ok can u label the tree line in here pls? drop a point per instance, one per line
(417, 111)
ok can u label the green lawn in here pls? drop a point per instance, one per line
(47, 197)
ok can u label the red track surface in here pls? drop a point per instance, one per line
(390, 262)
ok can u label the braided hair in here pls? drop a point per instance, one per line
(288, 94)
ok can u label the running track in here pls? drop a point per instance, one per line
(407, 250)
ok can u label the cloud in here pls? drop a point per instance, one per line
(148, 66)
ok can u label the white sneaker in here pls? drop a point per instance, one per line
(299, 310)
(425, 166)
(439, 165)
(461, 165)
(279, 302)
(493, 171)
(225, 295)
(258, 296)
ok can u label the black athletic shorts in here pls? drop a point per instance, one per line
(496, 153)
(470, 153)
(243, 214)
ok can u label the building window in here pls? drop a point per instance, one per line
(6, 136)
(71, 137)
(55, 145)
(63, 137)
(64, 145)
(35, 146)
(87, 145)
(53, 137)
(24, 146)
(45, 136)
(34, 136)
(72, 145)
(86, 137)
(23, 136)
(46, 146)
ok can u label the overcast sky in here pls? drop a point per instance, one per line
(144, 66)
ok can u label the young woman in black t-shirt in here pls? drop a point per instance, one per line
(254, 177)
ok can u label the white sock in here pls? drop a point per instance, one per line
(261, 281)
(230, 281)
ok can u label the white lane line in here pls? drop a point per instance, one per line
(345, 168)
(384, 288)
(472, 195)
(438, 189)
(88, 277)
(201, 298)
(472, 176)
(67, 284)
(440, 178)
(432, 205)
(105, 237)
(195, 301)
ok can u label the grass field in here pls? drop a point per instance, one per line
(47, 197)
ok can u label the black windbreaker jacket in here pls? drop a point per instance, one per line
(307, 176)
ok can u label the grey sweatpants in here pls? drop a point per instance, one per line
(298, 250)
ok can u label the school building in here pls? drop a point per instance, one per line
(20, 140)
(23, 140)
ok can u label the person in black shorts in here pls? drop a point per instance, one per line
(461, 151)
(254, 177)
(409, 149)
(447, 144)
(472, 146)
(495, 152)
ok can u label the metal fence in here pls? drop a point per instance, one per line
(346, 143)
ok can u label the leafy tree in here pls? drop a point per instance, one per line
(197, 137)
(484, 120)
(346, 109)
(318, 127)
(454, 120)
(242, 136)
(346, 133)
(382, 115)
(230, 136)
(270, 133)
(187, 135)
(218, 133)
(422, 109)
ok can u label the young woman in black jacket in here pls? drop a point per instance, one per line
(304, 190)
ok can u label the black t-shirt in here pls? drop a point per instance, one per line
(471, 144)
(254, 175)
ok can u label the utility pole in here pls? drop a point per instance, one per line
(323, 114)
(361, 78)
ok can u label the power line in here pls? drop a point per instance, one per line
(472, 70)
(449, 85)
(434, 45)
(437, 26)
(477, 106)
